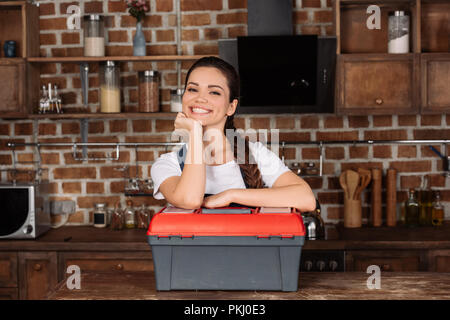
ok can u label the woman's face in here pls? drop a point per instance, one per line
(207, 97)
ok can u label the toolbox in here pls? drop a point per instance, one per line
(226, 248)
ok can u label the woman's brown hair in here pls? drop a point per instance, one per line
(252, 175)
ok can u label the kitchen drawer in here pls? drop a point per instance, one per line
(110, 261)
(379, 85)
(390, 261)
(8, 269)
(439, 261)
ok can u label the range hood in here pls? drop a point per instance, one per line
(281, 72)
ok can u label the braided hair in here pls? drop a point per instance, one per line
(252, 175)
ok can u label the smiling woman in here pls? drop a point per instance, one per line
(215, 172)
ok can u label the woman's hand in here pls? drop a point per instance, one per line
(222, 199)
(184, 123)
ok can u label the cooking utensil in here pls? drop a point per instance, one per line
(376, 198)
(352, 178)
(343, 183)
(364, 182)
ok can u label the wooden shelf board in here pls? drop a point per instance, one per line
(122, 115)
(115, 58)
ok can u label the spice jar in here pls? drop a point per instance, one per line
(117, 218)
(109, 87)
(148, 91)
(100, 215)
(175, 100)
(398, 32)
(94, 38)
(143, 217)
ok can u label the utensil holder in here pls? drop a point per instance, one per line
(352, 213)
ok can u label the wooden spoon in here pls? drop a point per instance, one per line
(365, 180)
(352, 178)
(343, 183)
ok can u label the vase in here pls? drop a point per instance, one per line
(139, 41)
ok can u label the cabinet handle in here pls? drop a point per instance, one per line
(379, 101)
(37, 267)
(119, 266)
(385, 267)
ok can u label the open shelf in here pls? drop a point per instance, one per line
(114, 58)
(122, 115)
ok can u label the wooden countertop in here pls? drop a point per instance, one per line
(88, 238)
(312, 286)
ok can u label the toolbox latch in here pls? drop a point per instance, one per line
(282, 236)
(176, 236)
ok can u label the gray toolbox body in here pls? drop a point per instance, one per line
(196, 260)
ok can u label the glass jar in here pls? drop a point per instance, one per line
(130, 221)
(100, 215)
(117, 218)
(109, 87)
(143, 217)
(148, 91)
(412, 209)
(94, 38)
(175, 100)
(398, 32)
(438, 210)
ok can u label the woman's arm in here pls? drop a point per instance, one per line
(289, 190)
(187, 191)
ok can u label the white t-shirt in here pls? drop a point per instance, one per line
(222, 177)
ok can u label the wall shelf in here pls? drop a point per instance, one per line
(122, 115)
(114, 58)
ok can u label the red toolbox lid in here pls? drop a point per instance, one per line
(216, 223)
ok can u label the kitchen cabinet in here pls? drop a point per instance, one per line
(435, 82)
(389, 261)
(371, 81)
(19, 84)
(377, 84)
(37, 274)
(8, 269)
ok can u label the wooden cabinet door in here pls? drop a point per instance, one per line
(9, 294)
(12, 87)
(376, 84)
(8, 269)
(37, 274)
(435, 83)
(396, 261)
(105, 261)
(439, 261)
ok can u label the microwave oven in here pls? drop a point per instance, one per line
(25, 210)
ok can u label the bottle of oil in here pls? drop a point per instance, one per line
(130, 221)
(425, 205)
(412, 210)
(438, 210)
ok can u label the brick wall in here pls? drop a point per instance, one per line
(203, 22)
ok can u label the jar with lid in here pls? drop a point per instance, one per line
(109, 87)
(130, 221)
(148, 91)
(175, 100)
(398, 32)
(100, 215)
(94, 38)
